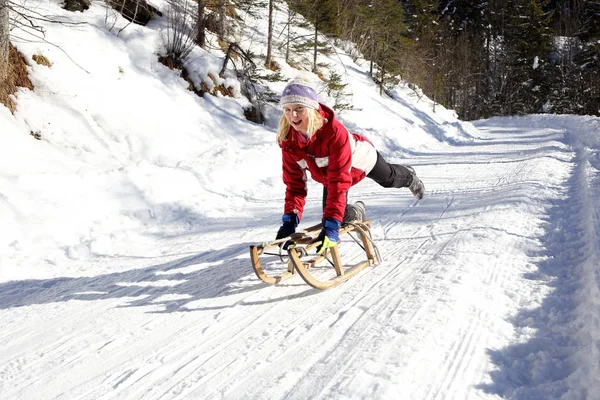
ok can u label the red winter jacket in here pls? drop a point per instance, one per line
(335, 158)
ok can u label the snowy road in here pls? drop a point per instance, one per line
(471, 300)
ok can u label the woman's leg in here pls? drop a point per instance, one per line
(396, 176)
(390, 175)
(353, 212)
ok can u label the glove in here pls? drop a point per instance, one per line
(290, 222)
(329, 236)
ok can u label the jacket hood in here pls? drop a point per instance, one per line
(327, 113)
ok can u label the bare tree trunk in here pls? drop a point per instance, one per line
(372, 55)
(382, 77)
(287, 44)
(200, 34)
(4, 41)
(315, 50)
(226, 60)
(222, 29)
(270, 36)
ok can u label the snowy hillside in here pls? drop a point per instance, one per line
(124, 268)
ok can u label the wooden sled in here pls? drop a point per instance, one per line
(300, 261)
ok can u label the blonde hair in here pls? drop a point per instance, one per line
(315, 122)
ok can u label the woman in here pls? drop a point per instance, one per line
(313, 140)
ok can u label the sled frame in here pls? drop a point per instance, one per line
(303, 242)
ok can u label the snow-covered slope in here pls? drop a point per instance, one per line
(124, 268)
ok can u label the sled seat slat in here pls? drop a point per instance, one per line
(304, 242)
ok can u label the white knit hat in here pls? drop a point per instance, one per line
(300, 90)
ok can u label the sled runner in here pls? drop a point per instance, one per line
(299, 258)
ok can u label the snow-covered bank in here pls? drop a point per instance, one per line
(124, 268)
(556, 354)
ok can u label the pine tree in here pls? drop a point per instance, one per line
(387, 38)
(462, 56)
(336, 89)
(425, 30)
(588, 61)
(527, 47)
(322, 14)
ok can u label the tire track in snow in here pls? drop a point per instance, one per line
(461, 360)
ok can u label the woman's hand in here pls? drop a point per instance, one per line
(329, 236)
(290, 222)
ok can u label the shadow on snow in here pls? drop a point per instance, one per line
(172, 285)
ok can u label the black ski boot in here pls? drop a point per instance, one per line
(356, 212)
(416, 186)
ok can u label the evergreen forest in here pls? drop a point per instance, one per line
(481, 58)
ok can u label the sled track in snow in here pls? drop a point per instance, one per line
(554, 356)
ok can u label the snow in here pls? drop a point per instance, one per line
(124, 264)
